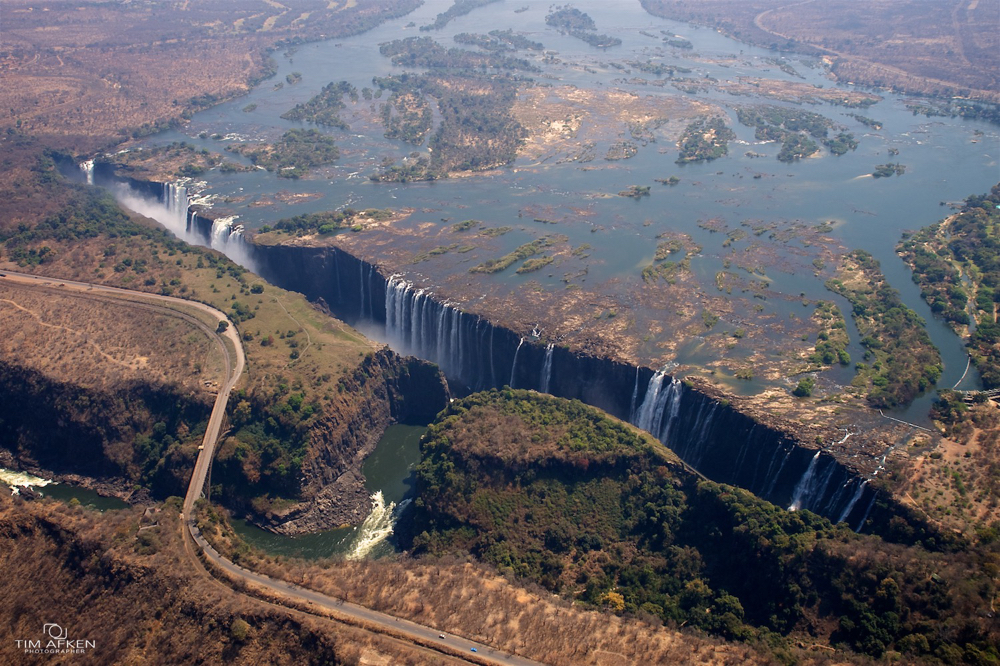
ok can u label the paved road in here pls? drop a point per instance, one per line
(235, 359)
(419, 634)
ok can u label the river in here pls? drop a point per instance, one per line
(946, 159)
(388, 476)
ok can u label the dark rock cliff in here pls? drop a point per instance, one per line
(385, 389)
(109, 435)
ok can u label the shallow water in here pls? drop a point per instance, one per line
(389, 473)
(61, 491)
(946, 160)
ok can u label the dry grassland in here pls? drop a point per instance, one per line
(87, 73)
(947, 48)
(141, 599)
(472, 600)
(99, 343)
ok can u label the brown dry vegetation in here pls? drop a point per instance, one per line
(955, 481)
(472, 600)
(87, 73)
(325, 345)
(143, 600)
(98, 342)
(943, 48)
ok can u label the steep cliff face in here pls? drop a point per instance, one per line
(136, 433)
(719, 440)
(385, 389)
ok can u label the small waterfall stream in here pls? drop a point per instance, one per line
(546, 379)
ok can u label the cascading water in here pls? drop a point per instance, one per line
(546, 382)
(361, 283)
(513, 368)
(172, 208)
(660, 407)
(88, 170)
(376, 528)
(804, 485)
(635, 395)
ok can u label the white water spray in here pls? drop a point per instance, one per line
(376, 528)
(513, 368)
(804, 485)
(547, 369)
(88, 170)
(17, 480)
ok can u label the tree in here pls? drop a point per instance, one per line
(223, 325)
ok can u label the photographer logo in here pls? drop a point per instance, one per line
(55, 640)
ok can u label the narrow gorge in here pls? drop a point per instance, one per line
(712, 434)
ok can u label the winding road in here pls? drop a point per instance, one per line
(287, 594)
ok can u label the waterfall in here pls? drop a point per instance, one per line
(635, 395)
(547, 368)
(493, 371)
(777, 475)
(854, 500)
(222, 229)
(513, 368)
(644, 417)
(867, 512)
(659, 408)
(361, 284)
(803, 487)
(88, 170)
(376, 528)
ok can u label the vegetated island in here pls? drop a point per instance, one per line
(956, 262)
(887, 170)
(557, 493)
(325, 108)
(293, 154)
(705, 139)
(791, 127)
(572, 21)
(477, 129)
(499, 40)
(460, 8)
(900, 361)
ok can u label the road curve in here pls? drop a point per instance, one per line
(417, 633)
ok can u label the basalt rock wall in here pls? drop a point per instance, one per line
(711, 435)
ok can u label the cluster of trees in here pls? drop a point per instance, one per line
(578, 24)
(970, 240)
(499, 40)
(555, 493)
(460, 8)
(262, 459)
(325, 222)
(791, 127)
(900, 360)
(705, 139)
(832, 339)
(960, 108)
(477, 128)
(89, 213)
(425, 52)
(294, 154)
(325, 108)
(886, 170)
(412, 120)
(520, 253)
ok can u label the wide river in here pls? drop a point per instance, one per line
(946, 160)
